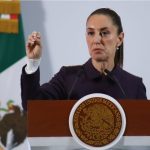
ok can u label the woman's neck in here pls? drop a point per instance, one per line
(101, 66)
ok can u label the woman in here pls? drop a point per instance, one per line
(102, 73)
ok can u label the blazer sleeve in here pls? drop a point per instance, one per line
(141, 91)
(31, 88)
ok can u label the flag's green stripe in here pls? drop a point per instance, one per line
(12, 47)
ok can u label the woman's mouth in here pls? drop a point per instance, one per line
(98, 50)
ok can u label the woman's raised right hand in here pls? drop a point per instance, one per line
(33, 46)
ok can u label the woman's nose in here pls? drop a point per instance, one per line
(97, 38)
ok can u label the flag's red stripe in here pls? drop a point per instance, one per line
(13, 16)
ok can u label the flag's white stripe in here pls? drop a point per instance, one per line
(5, 16)
(10, 83)
(10, 89)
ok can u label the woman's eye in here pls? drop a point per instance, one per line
(90, 33)
(104, 33)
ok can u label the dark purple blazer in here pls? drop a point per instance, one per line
(74, 82)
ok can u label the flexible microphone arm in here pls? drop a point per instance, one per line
(112, 77)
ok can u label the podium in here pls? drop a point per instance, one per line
(48, 119)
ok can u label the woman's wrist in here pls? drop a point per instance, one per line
(32, 65)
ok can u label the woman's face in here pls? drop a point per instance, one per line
(102, 38)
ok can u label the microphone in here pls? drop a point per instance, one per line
(74, 83)
(113, 78)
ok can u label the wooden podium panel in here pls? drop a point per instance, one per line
(50, 118)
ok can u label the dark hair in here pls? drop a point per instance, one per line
(117, 22)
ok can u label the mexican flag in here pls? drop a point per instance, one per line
(12, 51)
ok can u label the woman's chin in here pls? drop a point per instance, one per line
(100, 58)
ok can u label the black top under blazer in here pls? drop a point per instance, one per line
(74, 82)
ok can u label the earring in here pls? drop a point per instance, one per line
(118, 48)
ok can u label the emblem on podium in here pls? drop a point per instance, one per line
(97, 121)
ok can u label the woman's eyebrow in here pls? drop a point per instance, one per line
(90, 28)
(103, 28)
